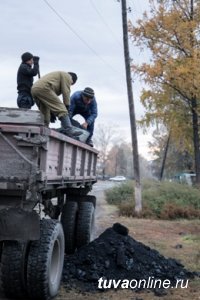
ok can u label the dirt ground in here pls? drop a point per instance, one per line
(176, 239)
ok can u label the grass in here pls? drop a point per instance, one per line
(163, 200)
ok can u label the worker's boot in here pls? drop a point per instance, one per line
(67, 127)
(90, 143)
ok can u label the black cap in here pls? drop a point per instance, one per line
(26, 56)
(88, 92)
(73, 76)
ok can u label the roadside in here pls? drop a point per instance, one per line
(106, 214)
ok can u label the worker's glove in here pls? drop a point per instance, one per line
(52, 118)
(36, 60)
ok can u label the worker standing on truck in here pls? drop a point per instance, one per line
(84, 103)
(46, 91)
(27, 70)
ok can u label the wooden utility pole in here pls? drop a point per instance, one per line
(138, 194)
(195, 114)
(164, 158)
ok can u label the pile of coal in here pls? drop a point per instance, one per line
(115, 255)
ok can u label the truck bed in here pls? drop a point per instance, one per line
(33, 155)
(56, 156)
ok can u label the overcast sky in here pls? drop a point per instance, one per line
(84, 37)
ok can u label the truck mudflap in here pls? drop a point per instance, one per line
(19, 225)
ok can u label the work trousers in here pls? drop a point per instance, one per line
(25, 100)
(47, 102)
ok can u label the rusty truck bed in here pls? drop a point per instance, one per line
(45, 153)
(35, 158)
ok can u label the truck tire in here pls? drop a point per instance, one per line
(85, 224)
(91, 198)
(45, 261)
(83, 198)
(13, 262)
(68, 220)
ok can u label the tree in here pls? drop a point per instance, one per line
(104, 136)
(120, 162)
(177, 159)
(120, 159)
(171, 33)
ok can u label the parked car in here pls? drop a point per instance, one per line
(117, 178)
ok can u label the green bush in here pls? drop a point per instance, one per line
(159, 194)
(120, 193)
(166, 200)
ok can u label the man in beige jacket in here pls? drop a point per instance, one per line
(45, 93)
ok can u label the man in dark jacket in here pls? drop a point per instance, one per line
(84, 103)
(25, 76)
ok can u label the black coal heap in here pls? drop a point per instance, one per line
(116, 255)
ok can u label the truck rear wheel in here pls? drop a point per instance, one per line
(45, 261)
(68, 220)
(89, 198)
(85, 224)
(13, 261)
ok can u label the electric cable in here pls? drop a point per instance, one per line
(106, 24)
(79, 37)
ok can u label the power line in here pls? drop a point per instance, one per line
(106, 24)
(78, 36)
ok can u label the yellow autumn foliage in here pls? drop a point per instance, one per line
(171, 32)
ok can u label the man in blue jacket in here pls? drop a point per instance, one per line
(84, 103)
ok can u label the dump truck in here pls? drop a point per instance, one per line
(46, 208)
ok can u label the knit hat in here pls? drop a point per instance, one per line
(88, 92)
(26, 56)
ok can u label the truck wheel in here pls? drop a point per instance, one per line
(68, 220)
(91, 198)
(13, 261)
(85, 224)
(45, 261)
(83, 198)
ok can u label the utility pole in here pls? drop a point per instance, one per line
(164, 157)
(195, 114)
(138, 194)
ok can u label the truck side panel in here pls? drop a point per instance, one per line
(69, 161)
(12, 165)
(33, 151)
